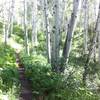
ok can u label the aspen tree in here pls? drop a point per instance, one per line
(85, 25)
(98, 31)
(47, 30)
(34, 23)
(91, 50)
(12, 16)
(25, 27)
(55, 37)
(95, 18)
(5, 27)
(71, 28)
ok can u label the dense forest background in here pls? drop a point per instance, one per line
(58, 43)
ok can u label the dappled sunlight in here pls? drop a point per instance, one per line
(49, 49)
(14, 44)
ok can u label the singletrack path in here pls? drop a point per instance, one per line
(26, 91)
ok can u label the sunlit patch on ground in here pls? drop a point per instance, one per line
(13, 44)
(4, 97)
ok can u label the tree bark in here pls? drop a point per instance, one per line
(5, 27)
(25, 28)
(34, 24)
(47, 30)
(12, 17)
(55, 38)
(91, 50)
(98, 31)
(70, 32)
(85, 26)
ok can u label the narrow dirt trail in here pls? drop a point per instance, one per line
(26, 91)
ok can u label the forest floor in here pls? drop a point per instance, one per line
(26, 90)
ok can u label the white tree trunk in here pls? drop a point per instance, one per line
(25, 28)
(71, 28)
(62, 10)
(99, 44)
(85, 25)
(95, 19)
(62, 19)
(91, 49)
(5, 33)
(34, 23)
(98, 31)
(47, 31)
(55, 37)
(12, 17)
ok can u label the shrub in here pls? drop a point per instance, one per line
(49, 85)
(9, 78)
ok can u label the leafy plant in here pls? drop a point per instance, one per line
(9, 76)
(53, 86)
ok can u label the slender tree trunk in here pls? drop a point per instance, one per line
(25, 28)
(5, 34)
(34, 24)
(62, 20)
(48, 46)
(85, 25)
(62, 10)
(99, 45)
(91, 50)
(93, 45)
(98, 31)
(95, 18)
(70, 32)
(12, 17)
(5, 28)
(55, 38)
